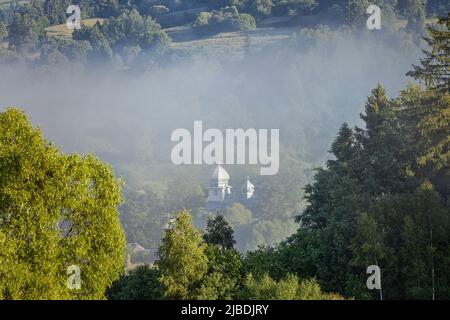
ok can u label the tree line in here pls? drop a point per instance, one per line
(384, 197)
(23, 25)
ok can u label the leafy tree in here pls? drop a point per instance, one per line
(101, 51)
(182, 258)
(292, 7)
(219, 232)
(129, 35)
(55, 211)
(224, 275)
(25, 31)
(237, 215)
(131, 29)
(143, 218)
(290, 288)
(141, 283)
(224, 20)
(368, 249)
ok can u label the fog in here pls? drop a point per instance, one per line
(306, 87)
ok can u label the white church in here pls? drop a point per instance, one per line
(220, 193)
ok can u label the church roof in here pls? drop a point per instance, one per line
(219, 174)
(248, 185)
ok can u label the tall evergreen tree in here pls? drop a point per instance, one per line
(219, 232)
(434, 72)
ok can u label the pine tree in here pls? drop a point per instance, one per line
(219, 232)
(434, 72)
(343, 147)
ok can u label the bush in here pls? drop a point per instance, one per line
(140, 284)
(289, 288)
(226, 20)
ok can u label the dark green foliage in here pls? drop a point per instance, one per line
(224, 275)
(139, 284)
(26, 28)
(226, 20)
(55, 10)
(129, 35)
(219, 232)
(377, 201)
(144, 218)
(56, 211)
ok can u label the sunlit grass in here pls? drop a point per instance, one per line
(61, 30)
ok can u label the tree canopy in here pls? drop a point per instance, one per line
(56, 210)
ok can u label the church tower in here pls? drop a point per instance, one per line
(219, 189)
(248, 189)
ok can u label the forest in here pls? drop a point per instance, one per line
(85, 172)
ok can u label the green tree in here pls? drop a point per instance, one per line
(237, 215)
(434, 71)
(219, 232)
(289, 288)
(182, 258)
(224, 275)
(141, 283)
(55, 211)
(143, 218)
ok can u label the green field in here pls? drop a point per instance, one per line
(61, 30)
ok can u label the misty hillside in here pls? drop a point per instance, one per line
(137, 70)
(304, 78)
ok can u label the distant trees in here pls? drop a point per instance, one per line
(292, 7)
(190, 268)
(434, 73)
(26, 28)
(224, 20)
(55, 10)
(382, 199)
(415, 14)
(290, 288)
(143, 217)
(125, 35)
(3, 32)
(55, 211)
